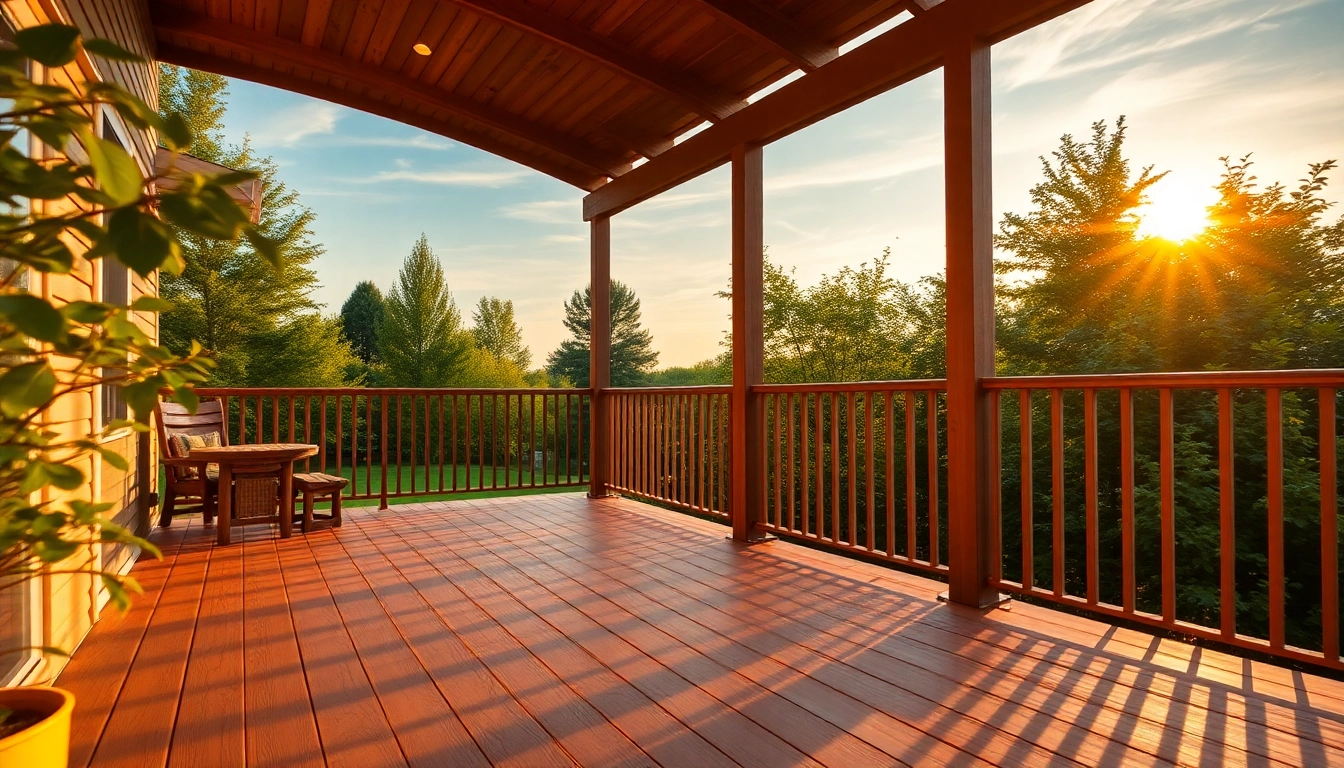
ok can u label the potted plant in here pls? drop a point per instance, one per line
(50, 350)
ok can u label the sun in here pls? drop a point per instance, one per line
(1176, 210)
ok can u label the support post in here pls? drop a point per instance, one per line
(599, 359)
(970, 321)
(747, 486)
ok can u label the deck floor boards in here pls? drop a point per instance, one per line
(558, 630)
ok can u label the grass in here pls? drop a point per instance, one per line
(413, 480)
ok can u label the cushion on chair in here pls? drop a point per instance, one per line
(180, 445)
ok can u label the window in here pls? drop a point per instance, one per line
(8, 267)
(115, 288)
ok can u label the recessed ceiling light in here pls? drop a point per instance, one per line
(421, 49)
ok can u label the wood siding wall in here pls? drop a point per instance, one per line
(64, 607)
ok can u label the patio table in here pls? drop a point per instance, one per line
(235, 458)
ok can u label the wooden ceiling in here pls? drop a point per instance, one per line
(576, 89)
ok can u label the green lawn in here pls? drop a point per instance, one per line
(413, 481)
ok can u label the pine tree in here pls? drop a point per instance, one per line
(422, 343)
(229, 298)
(361, 316)
(498, 333)
(632, 354)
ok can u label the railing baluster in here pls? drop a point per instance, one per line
(401, 418)
(1090, 490)
(453, 443)
(869, 449)
(834, 411)
(1028, 495)
(852, 461)
(931, 408)
(1057, 488)
(791, 402)
(1167, 469)
(307, 429)
(382, 451)
(804, 498)
(819, 502)
(996, 484)
(1227, 516)
(428, 428)
(339, 434)
(1329, 526)
(290, 399)
(242, 420)
(1127, 499)
(911, 491)
(1274, 458)
(890, 486)
(442, 463)
(354, 440)
(322, 432)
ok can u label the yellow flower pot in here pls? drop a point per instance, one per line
(45, 744)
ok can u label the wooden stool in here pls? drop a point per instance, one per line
(312, 485)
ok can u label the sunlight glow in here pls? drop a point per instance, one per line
(1177, 210)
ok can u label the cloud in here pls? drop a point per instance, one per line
(544, 211)
(1109, 32)
(452, 177)
(566, 239)
(291, 126)
(424, 141)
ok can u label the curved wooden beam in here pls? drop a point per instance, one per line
(775, 31)
(916, 7)
(709, 102)
(199, 28)
(220, 65)
(911, 49)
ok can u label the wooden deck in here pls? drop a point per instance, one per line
(551, 630)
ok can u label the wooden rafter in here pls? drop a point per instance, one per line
(199, 28)
(775, 31)
(910, 50)
(230, 67)
(706, 100)
(917, 7)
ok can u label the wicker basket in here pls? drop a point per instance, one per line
(256, 493)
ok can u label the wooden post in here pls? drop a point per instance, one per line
(970, 321)
(747, 457)
(599, 360)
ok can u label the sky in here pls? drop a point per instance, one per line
(1196, 80)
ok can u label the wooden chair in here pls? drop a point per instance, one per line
(311, 485)
(193, 482)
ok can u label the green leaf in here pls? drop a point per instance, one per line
(63, 476)
(266, 248)
(33, 315)
(175, 132)
(26, 387)
(115, 170)
(88, 312)
(109, 50)
(151, 304)
(52, 45)
(187, 397)
(115, 459)
(141, 241)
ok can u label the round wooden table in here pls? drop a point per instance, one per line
(233, 458)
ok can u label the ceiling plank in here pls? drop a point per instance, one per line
(708, 101)
(904, 53)
(917, 7)
(203, 29)
(230, 67)
(774, 30)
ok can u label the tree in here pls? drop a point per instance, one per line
(361, 317)
(496, 332)
(632, 352)
(229, 297)
(422, 343)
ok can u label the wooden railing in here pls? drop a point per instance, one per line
(1172, 500)
(857, 467)
(394, 443)
(670, 445)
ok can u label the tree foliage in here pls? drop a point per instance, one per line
(632, 354)
(422, 342)
(498, 333)
(229, 297)
(361, 317)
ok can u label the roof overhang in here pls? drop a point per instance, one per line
(170, 167)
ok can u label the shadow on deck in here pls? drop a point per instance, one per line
(551, 630)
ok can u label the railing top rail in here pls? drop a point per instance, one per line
(910, 385)
(1323, 377)
(379, 391)
(706, 389)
